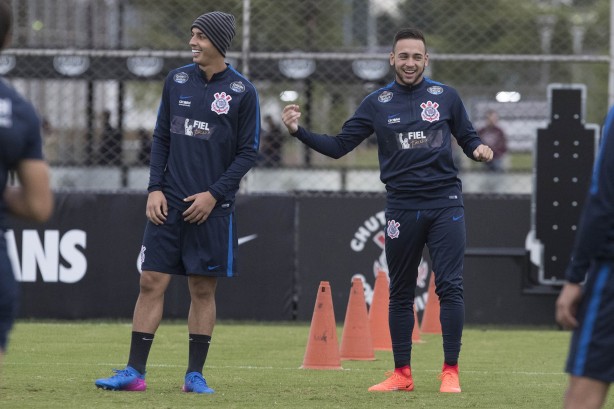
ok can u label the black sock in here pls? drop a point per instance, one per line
(139, 350)
(199, 347)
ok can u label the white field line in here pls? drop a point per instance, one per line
(254, 367)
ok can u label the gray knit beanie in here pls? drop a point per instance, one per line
(219, 28)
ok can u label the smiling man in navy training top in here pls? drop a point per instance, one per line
(414, 119)
(205, 140)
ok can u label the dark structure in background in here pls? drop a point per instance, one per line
(83, 264)
(564, 162)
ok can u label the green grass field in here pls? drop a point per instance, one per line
(254, 365)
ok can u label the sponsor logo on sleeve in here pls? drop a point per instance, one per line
(435, 90)
(237, 86)
(385, 97)
(181, 78)
(6, 113)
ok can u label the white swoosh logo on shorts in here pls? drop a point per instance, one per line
(245, 239)
(241, 240)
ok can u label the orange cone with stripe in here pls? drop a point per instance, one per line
(322, 350)
(430, 317)
(356, 341)
(378, 314)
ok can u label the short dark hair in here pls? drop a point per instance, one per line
(412, 33)
(5, 22)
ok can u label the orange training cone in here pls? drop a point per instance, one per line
(415, 334)
(356, 341)
(378, 314)
(322, 345)
(430, 316)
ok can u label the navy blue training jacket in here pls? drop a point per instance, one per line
(414, 126)
(595, 236)
(206, 136)
(20, 136)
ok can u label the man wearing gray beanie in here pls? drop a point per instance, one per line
(206, 139)
(219, 28)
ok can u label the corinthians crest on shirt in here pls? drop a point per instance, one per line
(429, 111)
(221, 103)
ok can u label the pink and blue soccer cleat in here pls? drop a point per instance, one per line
(194, 382)
(128, 379)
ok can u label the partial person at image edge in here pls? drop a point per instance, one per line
(21, 152)
(588, 309)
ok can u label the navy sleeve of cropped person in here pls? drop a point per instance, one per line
(595, 237)
(18, 117)
(20, 136)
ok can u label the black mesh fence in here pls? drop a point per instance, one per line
(94, 70)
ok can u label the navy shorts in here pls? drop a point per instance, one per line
(9, 296)
(591, 353)
(182, 248)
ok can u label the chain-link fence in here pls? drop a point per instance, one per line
(94, 70)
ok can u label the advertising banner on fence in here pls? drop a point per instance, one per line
(83, 262)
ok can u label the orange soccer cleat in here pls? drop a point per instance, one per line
(399, 380)
(449, 379)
